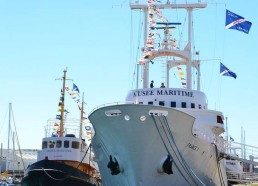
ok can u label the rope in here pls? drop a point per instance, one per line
(168, 150)
(181, 160)
(218, 164)
(53, 177)
(66, 177)
(174, 150)
(140, 27)
(24, 169)
(185, 163)
(84, 156)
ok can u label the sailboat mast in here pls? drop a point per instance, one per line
(9, 131)
(62, 106)
(1, 156)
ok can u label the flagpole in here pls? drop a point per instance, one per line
(227, 131)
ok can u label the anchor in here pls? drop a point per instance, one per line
(167, 165)
(113, 166)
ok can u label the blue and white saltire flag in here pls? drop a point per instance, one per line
(234, 21)
(224, 71)
(75, 88)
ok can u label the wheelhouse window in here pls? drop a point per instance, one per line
(200, 107)
(51, 144)
(58, 144)
(150, 103)
(66, 144)
(219, 119)
(192, 105)
(141, 103)
(75, 145)
(44, 144)
(162, 103)
(173, 104)
(183, 104)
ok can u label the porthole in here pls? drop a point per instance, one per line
(127, 118)
(143, 118)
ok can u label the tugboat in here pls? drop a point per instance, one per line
(65, 158)
(162, 135)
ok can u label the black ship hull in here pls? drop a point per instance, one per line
(51, 173)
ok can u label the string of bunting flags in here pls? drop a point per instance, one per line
(75, 95)
(233, 21)
(154, 16)
(181, 74)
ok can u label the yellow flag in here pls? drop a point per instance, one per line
(181, 73)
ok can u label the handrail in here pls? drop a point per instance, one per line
(242, 177)
(111, 104)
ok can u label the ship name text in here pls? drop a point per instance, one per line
(59, 150)
(163, 92)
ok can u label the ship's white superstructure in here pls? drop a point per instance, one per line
(161, 136)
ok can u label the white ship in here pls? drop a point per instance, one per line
(161, 136)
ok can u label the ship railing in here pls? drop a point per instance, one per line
(242, 177)
(170, 1)
(111, 104)
(242, 150)
(71, 126)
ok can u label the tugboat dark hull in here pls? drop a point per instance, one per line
(51, 173)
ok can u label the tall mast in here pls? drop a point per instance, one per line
(82, 108)
(146, 66)
(62, 106)
(185, 54)
(189, 61)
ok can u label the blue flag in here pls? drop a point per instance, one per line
(58, 117)
(224, 71)
(234, 21)
(75, 88)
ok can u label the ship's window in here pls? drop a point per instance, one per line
(219, 119)
(150, 103)
(162, 103)
(51, 144)
(75, 145)
(141, 103)
(183, 104)
(58, 144)
(44, 144)
(192, 105)
(173, 104)
(200, 107)
(66, 144)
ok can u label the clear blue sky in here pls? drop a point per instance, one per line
(39, 39)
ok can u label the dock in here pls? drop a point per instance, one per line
(248, 156)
